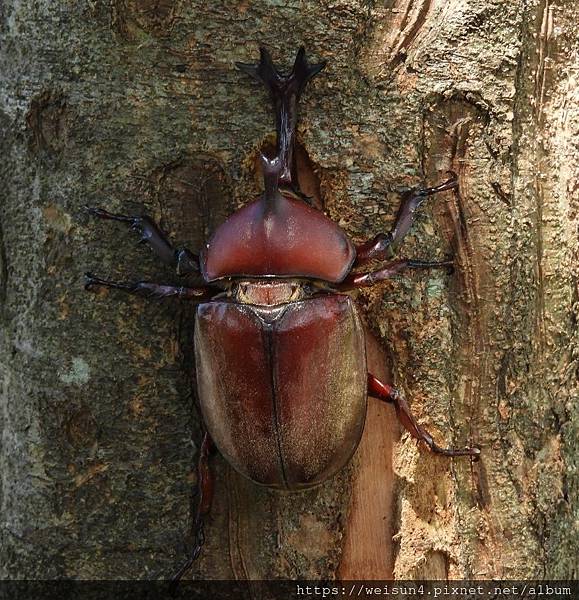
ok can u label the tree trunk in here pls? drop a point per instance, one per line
(136, 106)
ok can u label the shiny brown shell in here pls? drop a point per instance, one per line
(278, 237)
(283, 388)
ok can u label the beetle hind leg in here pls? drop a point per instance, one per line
(203, 499)
(387, 393)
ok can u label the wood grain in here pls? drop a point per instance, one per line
(368, 547)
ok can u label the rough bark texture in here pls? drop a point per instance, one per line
(135, 106)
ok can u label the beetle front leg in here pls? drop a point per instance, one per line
(384, 245)
(205, 486)
(358, 280)
(150, 290)
(184, 261)
(387, 393)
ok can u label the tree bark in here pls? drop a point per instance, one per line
(135, 106)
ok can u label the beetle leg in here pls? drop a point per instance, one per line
(149, 289)
(387, 393)
(358, 280)
(204, 497)
(384, 245)
(285, 92)
(184, 261)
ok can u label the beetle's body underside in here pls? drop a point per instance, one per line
(280, 356)
(291, 413)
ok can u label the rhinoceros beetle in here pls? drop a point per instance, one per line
(279, 346)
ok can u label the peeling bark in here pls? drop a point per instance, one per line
(136, 106)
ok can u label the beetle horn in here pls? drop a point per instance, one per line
(266, 72)
(285, 92)
(302, 72)
(271, 173)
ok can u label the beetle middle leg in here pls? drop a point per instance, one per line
(150, 289)
(204, 497)
(358, 280)
(387, 393)
(183, 260)
(384, 245)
